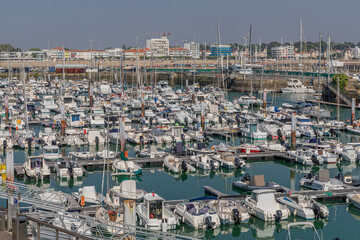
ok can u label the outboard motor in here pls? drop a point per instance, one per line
(183, 166)
(142, 140)
(315, 160)
(53, 142)
(317, 211)
(205, 135)
(236, 216)
(29, 140)
(182, 137)
(150, 121)
(128, 169)
(246, 177)
(186, 120)
(5, 144)
(238, 163)
(212, 165)
(220, 120)
(238, 120)
(340, 177)
(39, 175)
(309, 176)
(279, 133)
(97, 140)
(208, 222)
(278, 215)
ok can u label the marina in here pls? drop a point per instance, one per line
(130, 134)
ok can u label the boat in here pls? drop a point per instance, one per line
(90, 195)
(348, 179)
(304, 206)
(153, 214)
(228, 160)
(106, 154)
(62, 171)
(354, 129)
(296, 86)
(251, 131)
(111, 220)
(262, 204)
(125, 191)
(36, 168)
(198, 215)
(256, 182)
(176, 165)
(303, 156)
(125, 167)
(354, 198)
(303, 225)
(321, 182)
(51, 153)
(230, 211)
(151, 152)
(204, 162)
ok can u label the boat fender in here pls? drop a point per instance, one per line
(164, 225)
(208, 222)
(236, 216)
(5, 144)
(278, 215)
(184, 167)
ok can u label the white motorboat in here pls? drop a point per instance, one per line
(123, 167)
(304, 207)
(111, 219)
(90, 195)
(151, 152)
(262, 204)
(175, 165)
(51, 152)
(125, 191)
(153, 214)
(306, 131)
(252, 132)
(230, 212)
(106, 154)
(325, 155)
(198, 215)
(36, 168)
(321, 182)
(296, 86)
(204, 162)
(62, 171)
(228, 160)
(353, 129)
(302, 156)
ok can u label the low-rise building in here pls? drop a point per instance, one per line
(194, 49)
(282, 52)
(218, 50)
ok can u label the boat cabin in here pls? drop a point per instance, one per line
(155, 205)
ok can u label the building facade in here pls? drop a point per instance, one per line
(218, 50)
(159, 47)
(194, 49)
(282, 52)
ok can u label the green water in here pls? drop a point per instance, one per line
(342, 223)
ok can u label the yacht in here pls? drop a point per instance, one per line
(204, 162)
(153, 214)
(36, 168)
(230, 211)
(296, 86)
(125, 167)
(304, 206)
(303, 156)
(125, 191)
(90, 195)
(51, 152)
(49, 103)
(262, 204)
(321, 182)
(198, 214)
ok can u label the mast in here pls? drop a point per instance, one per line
(23, 76)
(301, 40)
(318, 112)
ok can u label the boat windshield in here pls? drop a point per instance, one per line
(55, 150)
(155, 210)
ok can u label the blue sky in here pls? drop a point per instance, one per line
(111, 23)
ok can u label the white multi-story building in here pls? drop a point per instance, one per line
(179, 52)
(158, 46)
(282, 52)
(115, 52)
(194, 49)
(10, 55)
(356, 52)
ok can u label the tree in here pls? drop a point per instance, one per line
(8, 47)
(343, 80)
(34, 49)
(33, 55)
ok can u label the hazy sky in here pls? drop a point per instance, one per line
(111, 23)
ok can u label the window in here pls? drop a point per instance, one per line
(155, 210)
